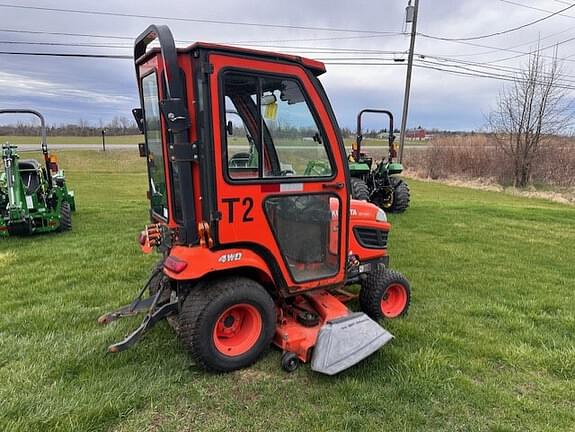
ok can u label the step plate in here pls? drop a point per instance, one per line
(346, 341)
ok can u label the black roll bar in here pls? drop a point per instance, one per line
(177, 119)
(359, 135)
(43, 139)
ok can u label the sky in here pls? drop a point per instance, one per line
(97, 90)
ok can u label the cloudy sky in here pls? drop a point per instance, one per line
(73, 89)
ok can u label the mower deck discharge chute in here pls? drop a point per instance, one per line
(346, 341)
(33, 198)
(250, 207)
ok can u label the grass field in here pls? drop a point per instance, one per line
(488, 344)
(121, 139)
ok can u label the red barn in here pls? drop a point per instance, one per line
(416, 134)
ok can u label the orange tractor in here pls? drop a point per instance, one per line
(250, 205)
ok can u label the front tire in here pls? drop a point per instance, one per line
(385, 294)
(65, 217)
(228, 323)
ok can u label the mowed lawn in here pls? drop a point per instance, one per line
(488, 343)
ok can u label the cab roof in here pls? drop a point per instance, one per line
(315, 66)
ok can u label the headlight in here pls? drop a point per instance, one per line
(381, 216)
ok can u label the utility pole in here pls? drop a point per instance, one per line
(410, 16)
(104, 140)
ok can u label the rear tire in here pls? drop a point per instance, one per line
(65, 217)
(227, 323)
(385, 294)
(359, 189)
(401, 196)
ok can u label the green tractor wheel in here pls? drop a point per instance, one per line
(394, 197)
(65, 217)
(359, 189)
(401, 196)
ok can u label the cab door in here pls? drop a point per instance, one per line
(280, 170)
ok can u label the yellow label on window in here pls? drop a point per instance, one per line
(271, 111)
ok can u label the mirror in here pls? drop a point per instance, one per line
(291, 93)
(139, 117)
(142, 149)
(230, 127)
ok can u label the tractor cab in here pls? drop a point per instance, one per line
(250, 207)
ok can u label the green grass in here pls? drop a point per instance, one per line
(488, 344)
(122, 139)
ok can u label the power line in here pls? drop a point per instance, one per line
(196, 20)
(283, 26)
(522, 53)
(320, 51)
(498, 49)
(535, 8)
(67, 34)
(371, 34)
(298, 50)
(510, 30)
(78, 55)
(66, 44)
(506, 69)
(431, 66)
(325, 39)
(309, 49)
(555, 45)
(441, 61)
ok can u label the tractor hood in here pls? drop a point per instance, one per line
(363, 212)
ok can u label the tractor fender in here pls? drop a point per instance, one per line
(202, 261)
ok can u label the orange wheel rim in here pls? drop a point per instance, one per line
(237, 330)
(394, 301)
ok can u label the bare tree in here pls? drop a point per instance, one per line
(531, 110)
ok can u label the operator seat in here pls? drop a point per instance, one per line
(29, 169)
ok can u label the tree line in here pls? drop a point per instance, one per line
(119, 125)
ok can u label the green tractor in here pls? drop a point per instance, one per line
(33, 197)
(378, 183)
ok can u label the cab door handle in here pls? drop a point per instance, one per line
(333, 185)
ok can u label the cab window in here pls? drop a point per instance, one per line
(270, 130)
(158, 194)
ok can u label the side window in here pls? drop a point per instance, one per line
(270, 130)
(157, 179)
